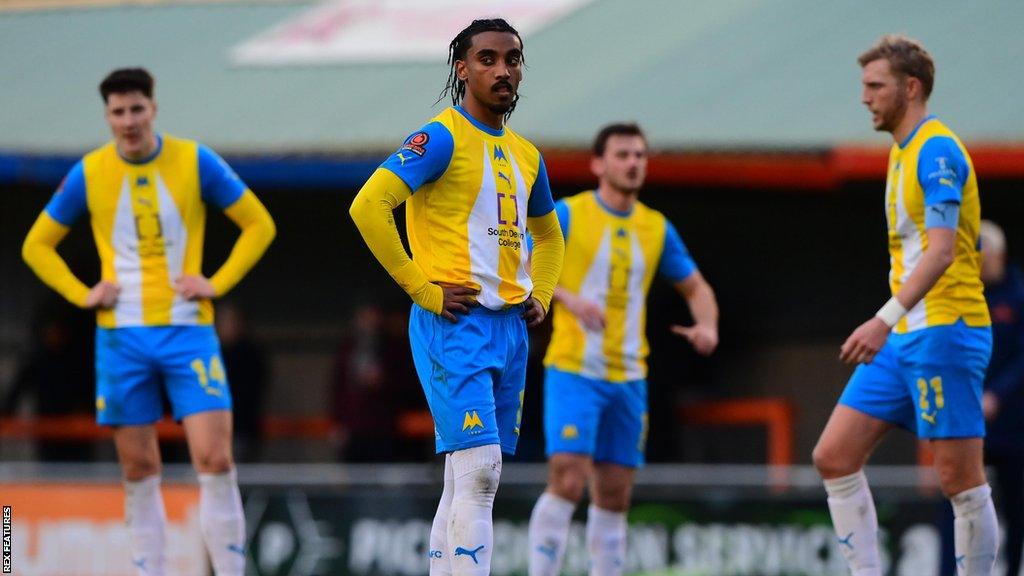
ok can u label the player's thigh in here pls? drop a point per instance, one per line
(456, 366)
(209, 440)
(138, 451)
(847, 441)
(873, 402)
(945, 372)
(622, 431)
(127, 382)
(572, 413)
(193, 370)
(611, 486)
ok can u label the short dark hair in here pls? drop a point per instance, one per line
(906, 57)
(615, 129)
(125, 80)
(459, 46)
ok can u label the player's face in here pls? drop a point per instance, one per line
(492, 70)
(130, 116)
(884, 94)
(624, 163)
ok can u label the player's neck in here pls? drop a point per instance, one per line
(915, 113)
(142, 153)
(483, 114)
(618, 200)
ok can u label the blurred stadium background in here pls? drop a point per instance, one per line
(763, 157)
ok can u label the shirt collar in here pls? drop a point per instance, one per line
(479, 124)
(914, 131)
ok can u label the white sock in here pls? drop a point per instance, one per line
(855, 522)
(146, 520)
(975, 531)
(549, 530)
(223, 522)
(606, 541)
(440, 555)
(476, 472)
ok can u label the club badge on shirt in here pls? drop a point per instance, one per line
(417, 143)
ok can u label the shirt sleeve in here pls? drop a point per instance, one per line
(220, 185)
(942, 170)
(562, 213)
(423, 157)
(541, 201)
(68, 203)
(942, 215)
(676, 264)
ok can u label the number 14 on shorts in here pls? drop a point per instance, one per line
(213, 371)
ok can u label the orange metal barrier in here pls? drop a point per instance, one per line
(416, 424)
(775, 414)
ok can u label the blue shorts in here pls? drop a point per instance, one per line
(132, 362)
(473, 373)
(604, 420)
(928, 381)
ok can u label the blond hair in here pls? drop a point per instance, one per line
(906, 57)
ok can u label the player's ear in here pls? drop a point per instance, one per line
(915, 90)
(597, 166)
(461, 70)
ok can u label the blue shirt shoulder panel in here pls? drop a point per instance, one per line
(562, 211)
(68, 203)
(942, 170)
(219, 184)
(675, 263)
(541, 201)
(423, 157)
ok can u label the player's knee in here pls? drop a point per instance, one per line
(832, 463)
(213, 462)
(612, 489)
(137, 469)
(485, 483)
(568, 486)
(956, 476)
(568, 481)
(613, 498)
(477, 472)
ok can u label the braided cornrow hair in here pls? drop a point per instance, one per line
(455, 87)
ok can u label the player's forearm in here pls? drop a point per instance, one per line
(372, 211)
(40, 253)
(258, 231)
(548, 255)
(562, 294)
(933, 264)
(703, 305)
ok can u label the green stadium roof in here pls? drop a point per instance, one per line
(699, 74)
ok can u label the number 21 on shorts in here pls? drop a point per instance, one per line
(933, 385)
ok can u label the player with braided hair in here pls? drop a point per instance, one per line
(474, 187)
(456, 86)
